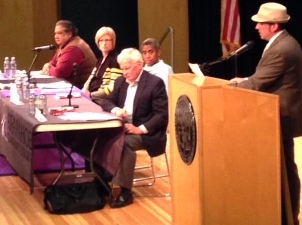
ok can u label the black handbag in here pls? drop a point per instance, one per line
(73, 198)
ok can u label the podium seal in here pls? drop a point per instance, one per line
(185, 129)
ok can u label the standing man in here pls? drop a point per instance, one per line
(71, 49)
(279, 72)
(150, 49)
(141, 100)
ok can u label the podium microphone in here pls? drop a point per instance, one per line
(42, 48)
(69, 96)
(242, 49)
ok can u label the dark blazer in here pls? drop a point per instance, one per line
(150, 108)
(97, 79)
(279, 72)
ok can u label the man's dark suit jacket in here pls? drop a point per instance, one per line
(150, 108)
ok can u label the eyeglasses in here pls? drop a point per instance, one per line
(105, 40)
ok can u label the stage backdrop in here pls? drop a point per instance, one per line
(90, 15)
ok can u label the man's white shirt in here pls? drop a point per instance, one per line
(161, 70)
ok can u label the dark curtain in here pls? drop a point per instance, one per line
(204, 31)
(90, 15)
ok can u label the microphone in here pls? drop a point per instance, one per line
(241, 50)
(42, 48)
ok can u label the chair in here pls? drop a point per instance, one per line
(137, 181)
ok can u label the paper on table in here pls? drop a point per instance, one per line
(5, 86)
(16, 101)
(39, 116)
(14, 97)
(199, 80)
(87, 116)
(196, 70)
(55, 85)
(52, 91)
(38, 74)
(65, 95)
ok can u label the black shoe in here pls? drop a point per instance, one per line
(122, 201)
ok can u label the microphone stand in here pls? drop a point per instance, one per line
(236, 65)
(69, 96)
(205, 66)
(31, 66)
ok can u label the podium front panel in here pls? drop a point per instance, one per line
(234, 177)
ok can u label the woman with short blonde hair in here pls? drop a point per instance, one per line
(101, 81)
(105, 30)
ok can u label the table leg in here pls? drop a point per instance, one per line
(61, 153)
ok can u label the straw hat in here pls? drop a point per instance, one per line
(271, 12)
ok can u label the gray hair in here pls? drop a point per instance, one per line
(130, 54)
(69, 27)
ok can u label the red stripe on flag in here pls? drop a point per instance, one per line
(226, 20)
(230, 25)
(234, 25)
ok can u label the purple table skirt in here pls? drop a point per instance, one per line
(45, 159)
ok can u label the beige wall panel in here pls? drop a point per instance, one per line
(44, 18)
(155, 17)
(24, 25)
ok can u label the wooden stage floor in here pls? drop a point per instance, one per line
(151, 205)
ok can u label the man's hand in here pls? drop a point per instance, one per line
(131, 129)
(121, 113)
(237, 80)
(45, 69)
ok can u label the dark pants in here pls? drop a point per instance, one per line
(125, 173)
(293, 178)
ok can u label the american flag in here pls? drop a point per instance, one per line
(230, 26)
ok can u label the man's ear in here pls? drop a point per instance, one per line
(275, 27)
(140, 63)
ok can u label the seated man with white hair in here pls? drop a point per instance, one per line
(140, 99)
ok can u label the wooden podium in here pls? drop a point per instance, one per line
(234, 176)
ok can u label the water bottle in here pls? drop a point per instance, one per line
(13, 67)
(42, 103)
(32, 100)
(19, 89)
(6, 68)
(25, 90)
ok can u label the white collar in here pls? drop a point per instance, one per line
(270, 42)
